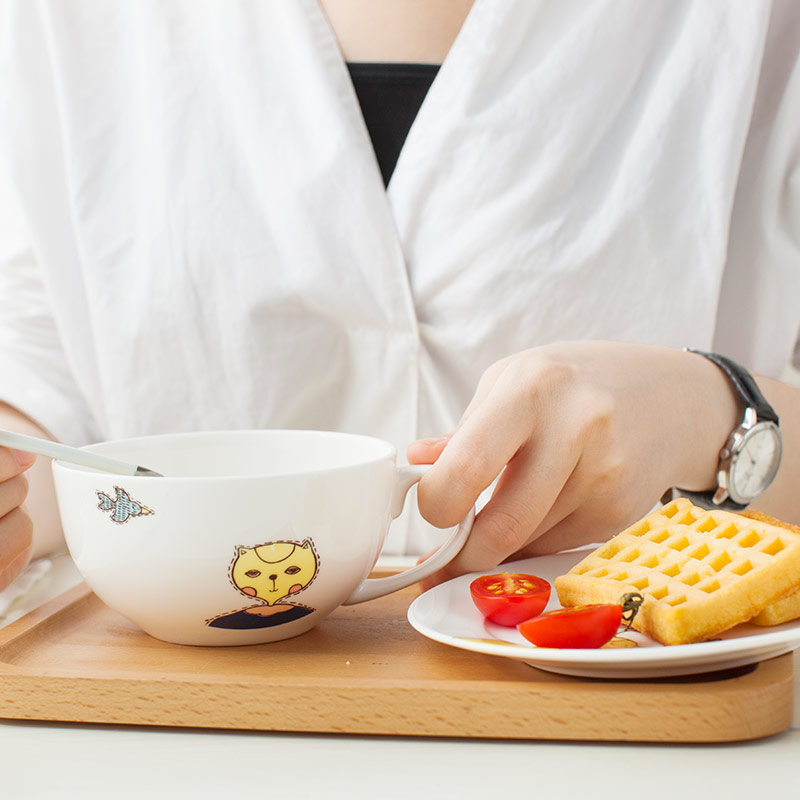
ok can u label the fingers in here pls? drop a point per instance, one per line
(426, 451)
(13, 484)
(528, 493)
(498, 433)
(14, 462)
(12, 494)
(571, 522)
(582, 527)
(580, 437)
(573, 530)
(559, 530)
(16, 545)
(475, 455)
(16, 529)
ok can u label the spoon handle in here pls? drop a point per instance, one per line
(44, 447)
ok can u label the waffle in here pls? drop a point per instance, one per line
(700, 572)
(788, 606)
(782, 610)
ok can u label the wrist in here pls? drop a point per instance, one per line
(713, 411)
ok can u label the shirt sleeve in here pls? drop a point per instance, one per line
(759, 312)
(35, 375)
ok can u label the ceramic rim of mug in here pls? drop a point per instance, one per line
(106, 448)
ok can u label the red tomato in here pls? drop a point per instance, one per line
(578, 627)
(508, 599)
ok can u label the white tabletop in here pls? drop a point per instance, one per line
(46, 760)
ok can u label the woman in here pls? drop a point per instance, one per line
(196, 233)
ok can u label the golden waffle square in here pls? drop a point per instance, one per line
(700, 572)
(782, 610)
(788, 606)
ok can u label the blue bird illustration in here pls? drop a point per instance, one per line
(123, 507)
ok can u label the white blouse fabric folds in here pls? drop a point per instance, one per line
(194, 233)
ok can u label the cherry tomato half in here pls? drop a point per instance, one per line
(509, 598)
(577, 627)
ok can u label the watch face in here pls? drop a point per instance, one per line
(756, 462)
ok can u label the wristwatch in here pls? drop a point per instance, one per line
(749, 460)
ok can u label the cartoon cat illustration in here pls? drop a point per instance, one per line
(270, 572)
(275, 570)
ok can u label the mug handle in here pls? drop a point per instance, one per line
(371, 588)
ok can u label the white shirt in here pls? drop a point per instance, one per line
(194, 233)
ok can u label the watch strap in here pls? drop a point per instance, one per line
(748, 390)
(703, 499)
(744, 384)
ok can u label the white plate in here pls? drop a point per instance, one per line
(446, 614)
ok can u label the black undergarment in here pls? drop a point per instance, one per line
(390, 96)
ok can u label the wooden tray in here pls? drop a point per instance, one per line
(364, 670)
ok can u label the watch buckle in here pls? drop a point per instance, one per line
(720, 496)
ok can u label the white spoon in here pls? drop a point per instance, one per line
(44, 447)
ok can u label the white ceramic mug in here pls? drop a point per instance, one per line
(251, 536)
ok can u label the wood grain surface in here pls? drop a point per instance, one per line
(364, 670)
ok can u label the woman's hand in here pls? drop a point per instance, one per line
(587, 435)
(16, 529)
